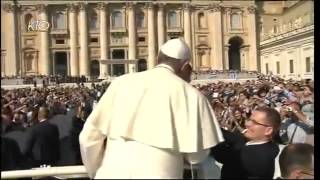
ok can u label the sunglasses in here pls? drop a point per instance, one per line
(257, 123)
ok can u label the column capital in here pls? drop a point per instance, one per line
(227, 10)
(102, 5)
(161, 6)
(186, 6)
(41, 7)
(72, 7)
(130, 5)
(149, 5)
(252, 9)
(8, 7)
(82, 6)
(215, 7)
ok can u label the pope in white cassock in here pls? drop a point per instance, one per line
(148, 123)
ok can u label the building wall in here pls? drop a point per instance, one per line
(209, 42)
(290, 38)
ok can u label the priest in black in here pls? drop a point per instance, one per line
(252, 152)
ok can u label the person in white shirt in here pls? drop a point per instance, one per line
(147, 124)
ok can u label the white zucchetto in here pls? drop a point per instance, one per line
(176, 48)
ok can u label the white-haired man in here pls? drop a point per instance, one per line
(147, 124)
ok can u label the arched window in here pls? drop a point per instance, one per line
(27, 20)
(117, 19)
(140, 19)
(172, 19)
(201, 20)
(93, 20)
(235, 21)
(59, 20)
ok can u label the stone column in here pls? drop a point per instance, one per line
(151, 37)
(132, 35)
(44, 67)
(103, 40)
(243, 57)
(216, 36)
(84, 49)
(252, 33)
(74, 58)
(11, 40)
(161, 25)
(226, 57)
(187, 24)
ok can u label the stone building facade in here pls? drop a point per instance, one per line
(221, 34)
(287, 38)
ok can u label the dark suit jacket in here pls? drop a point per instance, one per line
(242, 161)
(43, 145)
(10, 155)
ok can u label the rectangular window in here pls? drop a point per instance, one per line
(278, 67)
(59, 41)
(59, 20)
(267, 68)
(235, 21)
(94, 40)
(291, 66)
(308, 64)
(142, 39)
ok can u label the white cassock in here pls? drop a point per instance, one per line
(145, 125)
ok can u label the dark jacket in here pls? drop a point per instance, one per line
(43, 144)
(245, 161)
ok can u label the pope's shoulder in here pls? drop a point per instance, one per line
(167, 82)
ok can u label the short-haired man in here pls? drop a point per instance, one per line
(251, 153)
(297, 161)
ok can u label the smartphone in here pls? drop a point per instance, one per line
(215, 95)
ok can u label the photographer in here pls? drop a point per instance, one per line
(296, 126)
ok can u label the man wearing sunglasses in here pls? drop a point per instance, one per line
(297, 161)
(251, 153)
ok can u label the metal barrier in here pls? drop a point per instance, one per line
(63, 172)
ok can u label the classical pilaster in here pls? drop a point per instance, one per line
(103, 40)
(132, 35)
(11, 45)
(84, 51)
(74, 58)
(216, 36)
(252, 32)
(187, 24)
(161, 25)
(151, 37)
(44, 67)
(226, 57)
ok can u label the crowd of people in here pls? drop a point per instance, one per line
(24, 111)
(294, 100)
(233, 103)
(253, 118)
